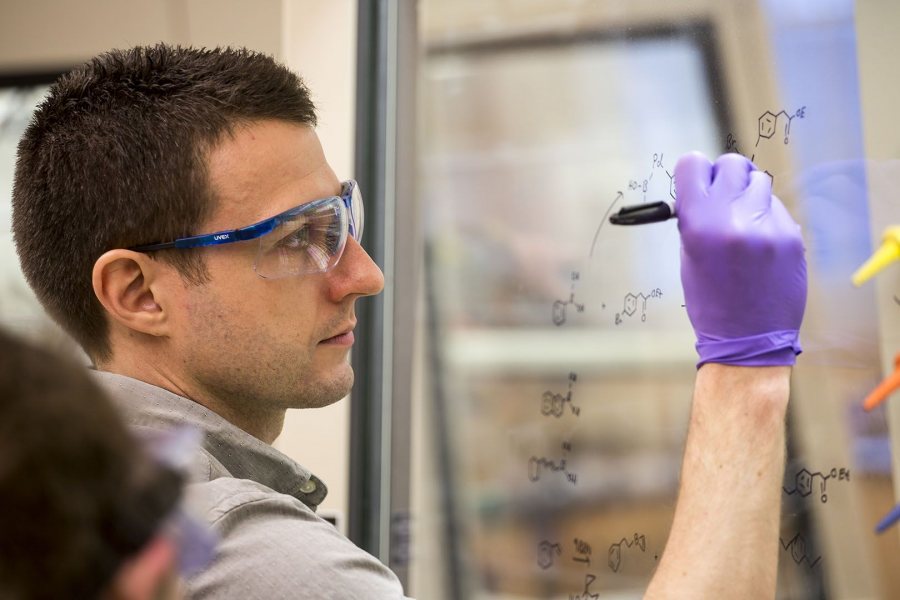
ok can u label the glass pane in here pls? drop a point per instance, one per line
(566, 359)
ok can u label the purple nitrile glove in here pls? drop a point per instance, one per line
(743, 267)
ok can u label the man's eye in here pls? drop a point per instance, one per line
(298, 239)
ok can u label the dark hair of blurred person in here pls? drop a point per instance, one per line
(81, 504)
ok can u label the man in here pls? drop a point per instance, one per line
(83, 508)
(174, 211)
(158, 144)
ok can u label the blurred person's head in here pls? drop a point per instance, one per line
(82, 507)
(159, 143)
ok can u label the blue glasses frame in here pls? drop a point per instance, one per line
(257, 230)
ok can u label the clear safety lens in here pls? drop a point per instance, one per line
(310, 241)
(357, 213)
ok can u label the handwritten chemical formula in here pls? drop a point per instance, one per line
(631, 303)
(803, 482)
(768, 122)
(644, 186)
(767, 126)
(547, 553)
(560, 306)
(797, 547)
(586, 594)
(615, 550)
(538, 466)
(554, 404)
(582, 552)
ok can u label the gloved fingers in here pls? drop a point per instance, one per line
(757, 198)
(693, 175)
(784, 224)
(731, 176)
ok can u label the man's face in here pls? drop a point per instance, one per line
(259, 344)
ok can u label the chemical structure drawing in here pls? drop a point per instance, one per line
(560, 306)
(546, 553)
(797, 547)
(615, 550)
(643, 186)
(803, 483)
(768, 122)
(582, 552)
(767, 125)
(586, 594)
(537, 466)
(633, 301)
(553, 404)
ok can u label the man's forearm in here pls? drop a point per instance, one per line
(724, 537)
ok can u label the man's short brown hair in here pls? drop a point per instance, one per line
(115, 157)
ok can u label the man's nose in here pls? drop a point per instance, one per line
(356, 273)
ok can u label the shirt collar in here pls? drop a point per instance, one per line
(241, 454)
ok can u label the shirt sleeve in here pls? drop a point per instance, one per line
(273, 546)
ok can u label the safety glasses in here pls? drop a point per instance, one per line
(309, 238)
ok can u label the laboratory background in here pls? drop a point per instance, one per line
(523, 384)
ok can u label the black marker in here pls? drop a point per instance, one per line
(639, 214)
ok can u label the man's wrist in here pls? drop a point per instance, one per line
(763, 388)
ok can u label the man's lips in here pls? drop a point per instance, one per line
(345, 338)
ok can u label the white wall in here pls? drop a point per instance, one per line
(41, 34)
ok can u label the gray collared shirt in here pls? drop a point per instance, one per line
(262, 505)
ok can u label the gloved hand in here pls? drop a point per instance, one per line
(743, 267)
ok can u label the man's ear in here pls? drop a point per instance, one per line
(130, 287)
